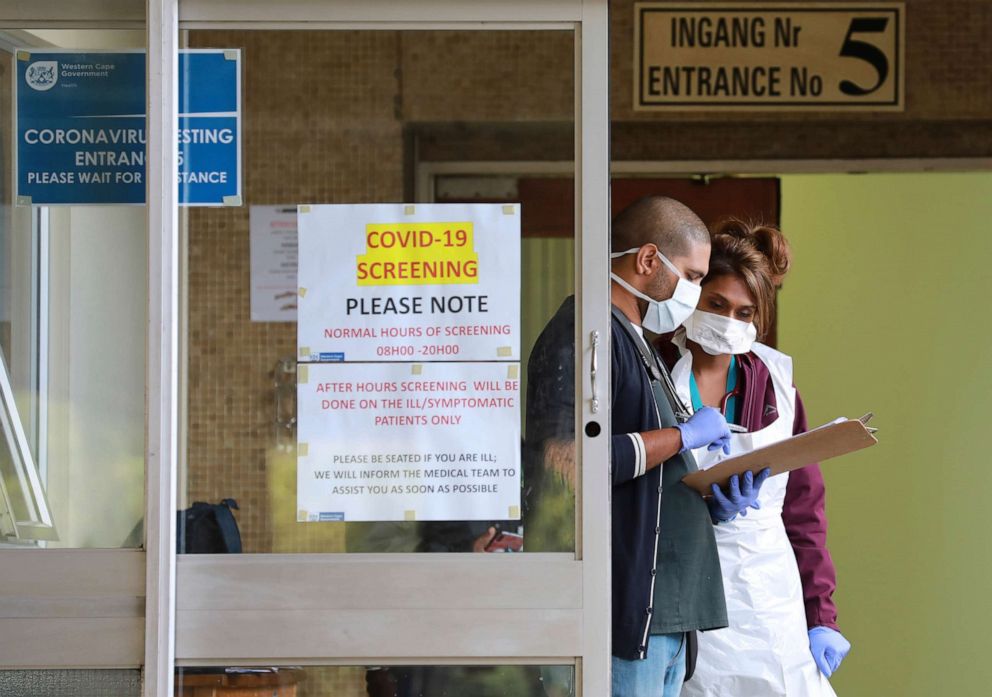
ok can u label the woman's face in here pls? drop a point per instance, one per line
(728, 296)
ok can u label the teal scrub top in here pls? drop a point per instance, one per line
(697, 401)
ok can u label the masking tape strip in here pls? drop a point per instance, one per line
(302, 375)
(504, 351)
(303, 292)
(301, 516)
(23, 55)
(409, 210)
(232, 200)
(509, 210)
(512, 372)
(302, 449)
(23, 200)
(409, 515)
(230, 54)
(303, 209)
(514, 512)
(304, 351)
(416, 369)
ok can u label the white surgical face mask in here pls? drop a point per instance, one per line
(664, 315)
(720, 335)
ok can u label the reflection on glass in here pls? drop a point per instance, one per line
(380, 681)
(549, 452)
(366, 117)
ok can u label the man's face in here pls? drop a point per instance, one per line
(693, 266)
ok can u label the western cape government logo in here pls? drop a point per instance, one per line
(42, 75)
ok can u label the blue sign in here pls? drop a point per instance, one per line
(209, 133)
(81, 127)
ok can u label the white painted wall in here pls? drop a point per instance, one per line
(97, 407)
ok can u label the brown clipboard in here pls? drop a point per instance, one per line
(832, 440)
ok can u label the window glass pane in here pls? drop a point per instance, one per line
(347, 117)
(73, 299)
(380, 681)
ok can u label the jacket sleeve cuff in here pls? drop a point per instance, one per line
(819, 616)
(629, 457)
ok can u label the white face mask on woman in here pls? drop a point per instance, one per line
(664, 315)
(718, 335)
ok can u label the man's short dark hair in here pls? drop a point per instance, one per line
(668, 223)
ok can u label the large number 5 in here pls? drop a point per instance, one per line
(866, 52)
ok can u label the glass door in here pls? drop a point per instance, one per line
(418, 472)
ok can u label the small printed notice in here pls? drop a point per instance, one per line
(403, 282)
(274, 254)
(408, 441)
(761, 55)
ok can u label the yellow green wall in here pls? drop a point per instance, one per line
(886, 309)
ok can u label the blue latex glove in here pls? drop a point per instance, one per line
(740, 496)
(829, 647)
(706, 427)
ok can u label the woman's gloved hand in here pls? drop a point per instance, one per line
(739, 497)
(829, 647)
(706, 427)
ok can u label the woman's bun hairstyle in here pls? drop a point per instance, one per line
(766, 239)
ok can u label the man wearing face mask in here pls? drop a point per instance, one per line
(666, 572)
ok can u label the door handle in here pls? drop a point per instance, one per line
(593, 369)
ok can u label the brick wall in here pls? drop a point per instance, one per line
(324, 114)
(948, 67)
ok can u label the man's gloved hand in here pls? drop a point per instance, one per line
(829, 647)
(739, 496)
(706, 427)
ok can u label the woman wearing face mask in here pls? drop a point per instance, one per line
(774, 561)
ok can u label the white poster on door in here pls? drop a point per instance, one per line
(274, 254)
(408, 441)
(399, 282)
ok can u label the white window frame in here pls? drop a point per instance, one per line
(23, 425)
(38, 525)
